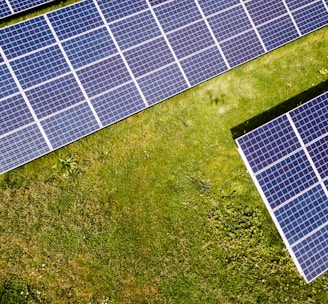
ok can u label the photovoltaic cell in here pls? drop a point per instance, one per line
(230, 23)
(90, 47)
(278, 32)
(75, 19)
(286, 179)
(104, 75)
(4, 9)
(293, 180)
(203, 65)
(175, 14)
(319, 17)
(66, 127)
(117, 9)
(242, 48)
(319, 154)
(312, 254)
(14, 113)
(118, 104)
(295, 4)
(191, 39)
(55, 96)
(311, 120)
(162, 84)
(39, 67)
(7, 83)
(148, 57)
(278, 138)
(213, 6)
(26, 37)
(21, 146)
(262, 11)
(155, 2)
(135, 30)
(304, 214)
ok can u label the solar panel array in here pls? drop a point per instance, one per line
(11, 7)
(288, 161)
(73, 71)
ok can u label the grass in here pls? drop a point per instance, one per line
(159, 208)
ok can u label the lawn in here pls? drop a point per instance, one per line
(159, 208)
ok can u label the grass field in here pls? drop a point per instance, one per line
(159, 208)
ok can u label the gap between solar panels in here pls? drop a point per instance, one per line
(9, 8)
(287, 159)
(73, 71)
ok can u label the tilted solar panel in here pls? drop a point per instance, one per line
(288, 161)
(11, 7)
(70, 72)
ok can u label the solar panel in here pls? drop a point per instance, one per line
(11, 7)
(70, 72)
(288, 161)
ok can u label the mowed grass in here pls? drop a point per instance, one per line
(159, 208)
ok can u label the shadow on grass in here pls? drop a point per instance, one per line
(278, 110)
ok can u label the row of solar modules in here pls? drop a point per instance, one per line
(288, 160)
(73, 71)
(11, 7)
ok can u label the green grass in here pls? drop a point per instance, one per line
(159, 208)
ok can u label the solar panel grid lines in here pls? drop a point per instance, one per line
(73, 72)
(290, 173)
(27, 103)
(212, 34)
(121, 54)
(169, 44)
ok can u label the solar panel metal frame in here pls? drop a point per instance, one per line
(175, 71)
(288, 167)
(9, 9)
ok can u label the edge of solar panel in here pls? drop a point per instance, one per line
(158, 101)
(264, 197)
(26, 9)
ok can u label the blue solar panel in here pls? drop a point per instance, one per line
(55, 96)
(117, 9)
(229, 23)
(176, 14)
(4, 9)
(191, 39)
(311, 120)
(278, 32)
(319, 154)
(135, 30)
(7, 83)
(312, 254)
(75, 19)
(295, 4)
(162, 84)
(148, 57)
(21, 147)
(213, 6)
(288, 160)
(90, 47)
(70, 125)
(104, 75)
(302, 215)
(14, 113)
(319, 17)
(242, 48)
(203, 65)
(26, 37)
(39, 67)
(118, 104)
(262, 11)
